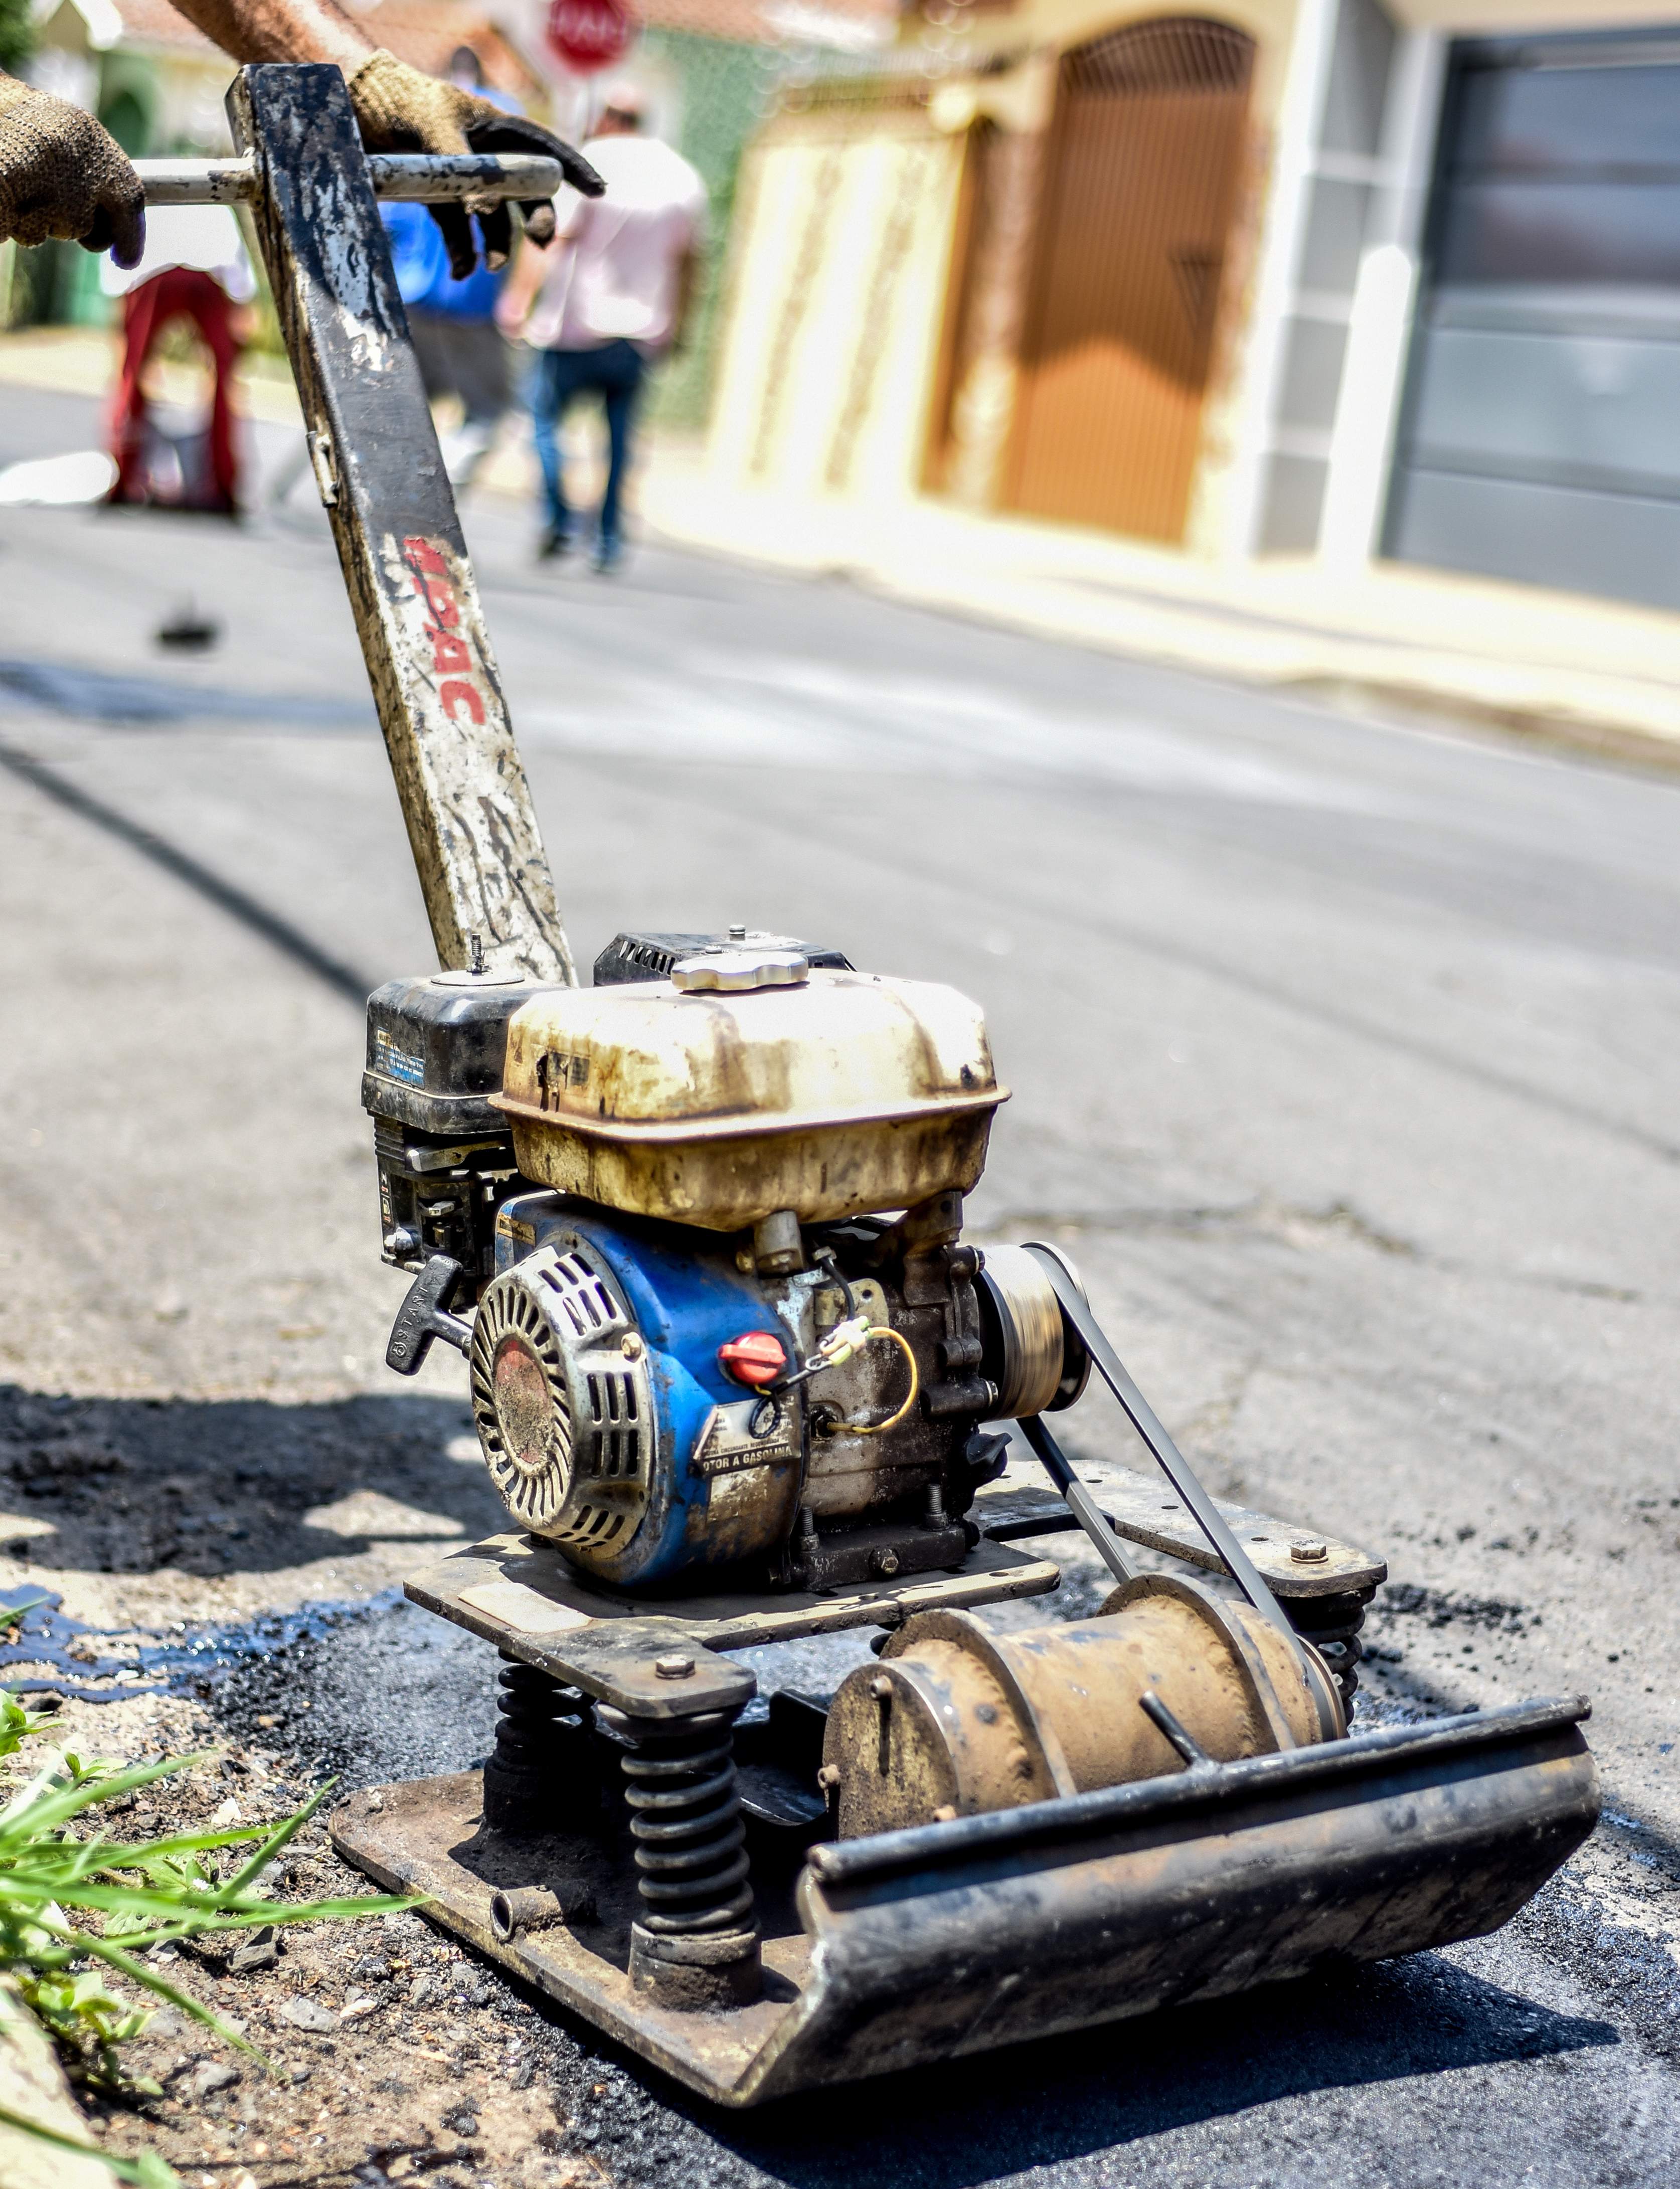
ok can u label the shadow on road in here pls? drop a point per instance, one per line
(213, 1487)
(1064, 2099)
(228, 896)
(140, 700)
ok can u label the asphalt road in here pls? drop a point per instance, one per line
(1345, 1059)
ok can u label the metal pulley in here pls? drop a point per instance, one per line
(1040, 1362)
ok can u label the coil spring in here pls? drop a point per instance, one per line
(540, 1777)
(686, 1821)
(1332, 1624)
(532, 1709)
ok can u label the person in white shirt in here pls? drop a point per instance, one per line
(607, 297)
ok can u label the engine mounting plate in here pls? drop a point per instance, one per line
(1142, 1508)
(520, 1593)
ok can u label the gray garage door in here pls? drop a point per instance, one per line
(1540, 435)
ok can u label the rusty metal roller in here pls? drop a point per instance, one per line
(958, 1719)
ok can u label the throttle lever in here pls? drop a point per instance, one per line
(424, 1317)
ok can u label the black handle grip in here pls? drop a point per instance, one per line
(424, 1317)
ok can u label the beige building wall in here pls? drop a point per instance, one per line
(839, 378)
(841, 242)
(843, 253)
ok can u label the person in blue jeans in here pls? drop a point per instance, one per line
(613, 371)
(610, 295)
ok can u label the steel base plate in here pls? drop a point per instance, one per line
(428, 1836)
(919, 1945)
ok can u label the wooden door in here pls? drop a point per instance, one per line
(1144, 164)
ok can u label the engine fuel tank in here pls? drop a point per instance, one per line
(828, 1094)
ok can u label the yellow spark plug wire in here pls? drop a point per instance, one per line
(848, 1338)
(879, 1429)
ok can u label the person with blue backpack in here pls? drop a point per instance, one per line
(459, 347)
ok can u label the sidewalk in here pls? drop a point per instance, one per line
(1591, 673)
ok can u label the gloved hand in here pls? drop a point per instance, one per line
(400, 109)
(62, 175)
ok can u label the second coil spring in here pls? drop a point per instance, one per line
(685, 1822)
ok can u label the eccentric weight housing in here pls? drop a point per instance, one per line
(959, 1720)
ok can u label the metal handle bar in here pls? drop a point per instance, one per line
(1078, 1499)
(430, 178)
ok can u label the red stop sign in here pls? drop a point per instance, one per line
(588, 34)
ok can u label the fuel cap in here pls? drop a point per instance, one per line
(757, 1358)
(738, 971)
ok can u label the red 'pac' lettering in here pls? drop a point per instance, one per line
(442, 609)
(455, 694)
(450, 651)
(431, 581)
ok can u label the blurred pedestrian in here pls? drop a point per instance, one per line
(460, 348)
(194, 266)
(610, 296)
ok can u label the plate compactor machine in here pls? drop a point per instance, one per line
(697, 1231)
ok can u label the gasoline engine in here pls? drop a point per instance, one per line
(700, 1343)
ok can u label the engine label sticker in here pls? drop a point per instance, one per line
(399, 1063)
(557, 1071)
(727, 1443)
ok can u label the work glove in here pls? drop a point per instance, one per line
(62, 175)
(400, 109)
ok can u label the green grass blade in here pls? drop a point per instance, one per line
(35, 1890)
(148, 2171)
(120, 1854)
(46, 1814)
(234, 1909)
(282, 1834)
(161, 1988)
